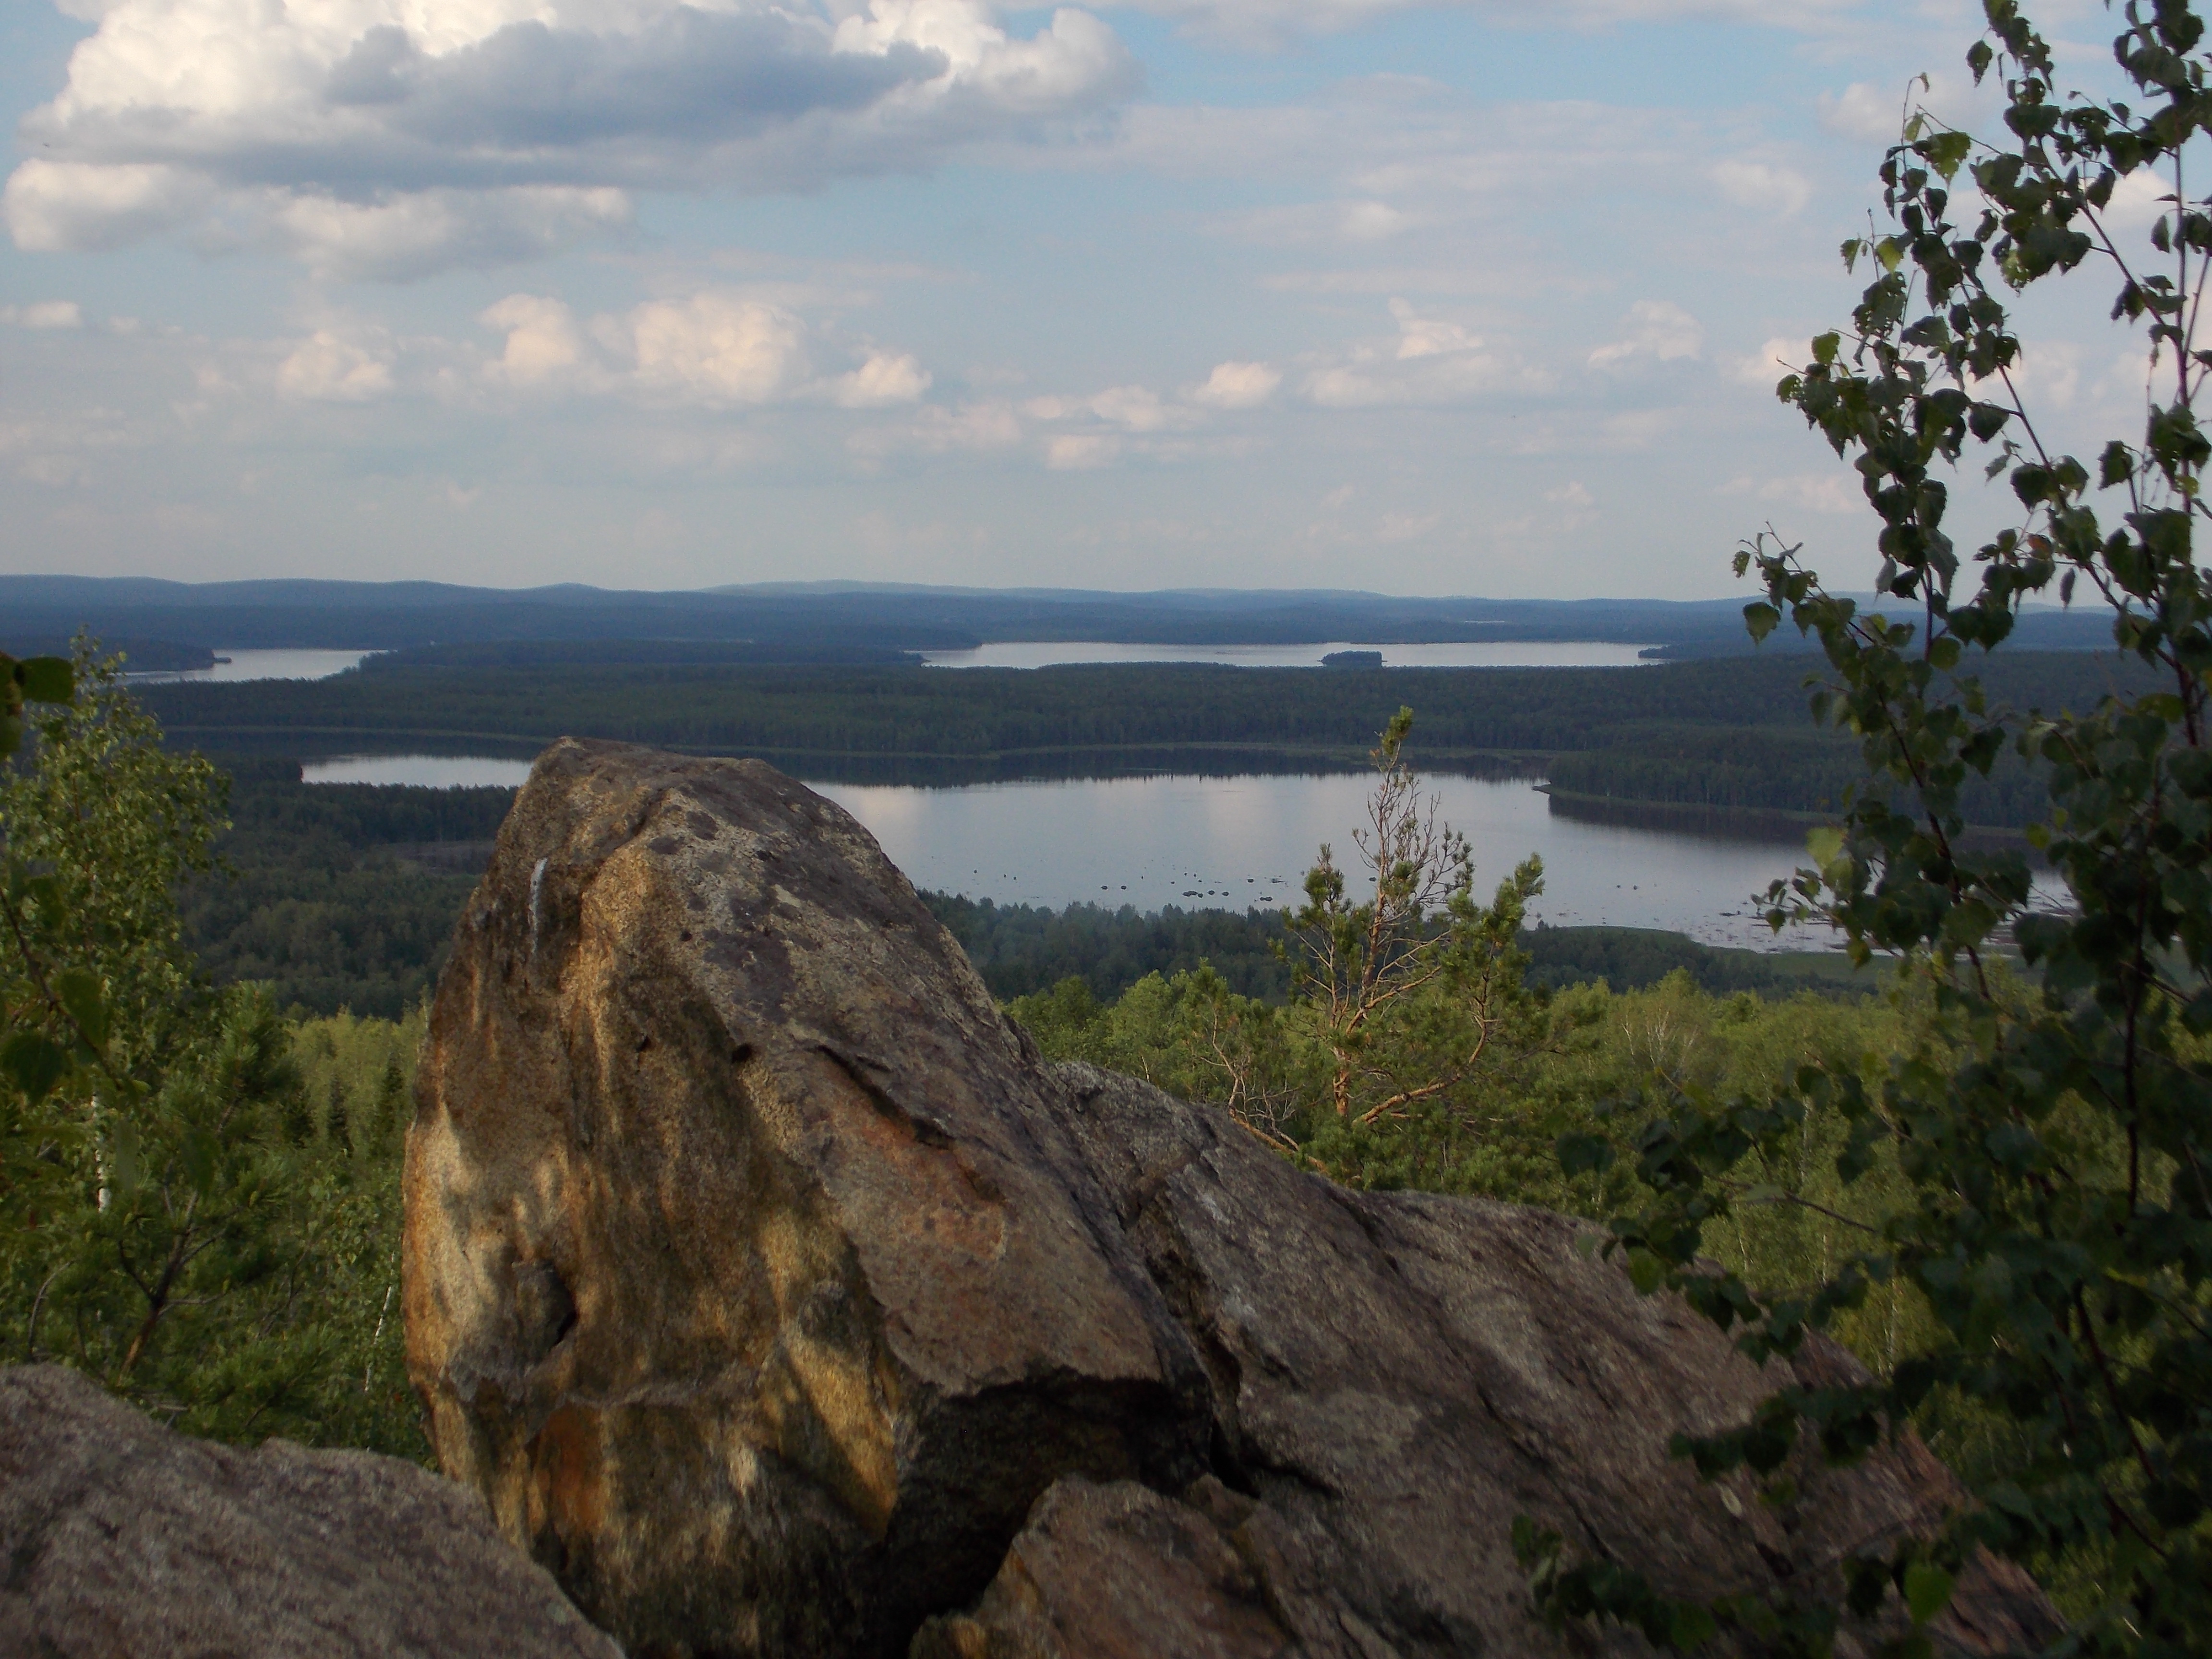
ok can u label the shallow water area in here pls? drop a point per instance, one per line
(1477, 653)
(232, 667)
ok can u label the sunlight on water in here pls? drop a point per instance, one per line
(1228, 843)
(1503, 653)
(260, 665)
(1208, 843)
(423, 771)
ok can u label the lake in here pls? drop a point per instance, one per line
(1481, 654)
(1203, 842)
(259, 666)
(288, 664)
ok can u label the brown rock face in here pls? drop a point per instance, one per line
(121, 1538)
(770, 1288)
(752, 1273)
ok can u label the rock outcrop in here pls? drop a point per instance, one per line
(120, 1537)
(781, 1301)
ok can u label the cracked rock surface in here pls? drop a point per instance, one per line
(121, 1538)
(781, 1301)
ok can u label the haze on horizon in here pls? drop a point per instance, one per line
(1484, 297)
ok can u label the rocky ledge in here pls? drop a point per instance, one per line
(781, 1300)
(122, 1539)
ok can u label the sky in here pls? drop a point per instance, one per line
(1480, 298)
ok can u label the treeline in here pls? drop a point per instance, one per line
(1024, 951)
(854, 723)
(331, 894)
(344, 897)
(1764, 768)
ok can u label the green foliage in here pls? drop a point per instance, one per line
(160, 1226)
(1627, 958)
(1414, 994)
(338, 895)
(1190, 1035)
(28, 680)
(1766, 769)
(344, 897)
(1022, 949)
(1407, 1021)
(2045, 1147)
(931, 726)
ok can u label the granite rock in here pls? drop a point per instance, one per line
(122, 1538)
(781, 1300)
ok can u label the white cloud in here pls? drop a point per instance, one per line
(412, 234)
(1434, 360)
(714, 348)
(1763, 187)
(1835, 493)
(2138, 199)
(57, 207)
(1073, 451)
(1319, 224)
(1572, 494)
(1406, 526)
(711, 350)
(1876, 114)
(1135, 408)
(1783, 354)
(543, 340)
(391, 138)
(971, 428)
(54, 207)
(2131, 377)
(1656, 330)
(1268, 23)
(45, 314)
(884, 379)
(1371, 222)
(2045, 376)
(1429, 337)
(328, 367)
(1238, 386)
(1132, 409)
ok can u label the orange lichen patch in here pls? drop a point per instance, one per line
(944, 1212)
(569, 1477)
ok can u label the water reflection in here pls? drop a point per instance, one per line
(1212, 842)
(421, 771)
(234, 666)
(1203, 843)
(1479, 653)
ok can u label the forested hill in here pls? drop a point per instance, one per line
(935, 724)
(832, 622)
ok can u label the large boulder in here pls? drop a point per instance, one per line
(1395, 1378)
(781, 1300)
(122, 1538)
(752, 1273)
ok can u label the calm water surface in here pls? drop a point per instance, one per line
(423, 771)
(1230, 842)
(1504, 653)
(1198, 841)
(261, 665)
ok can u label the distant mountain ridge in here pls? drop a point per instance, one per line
(832, 621)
